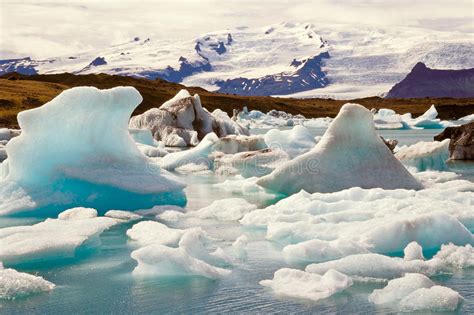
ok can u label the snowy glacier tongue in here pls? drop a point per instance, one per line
(78, 145)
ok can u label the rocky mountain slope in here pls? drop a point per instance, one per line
(291, 59)
(425, 82)
(20, 92)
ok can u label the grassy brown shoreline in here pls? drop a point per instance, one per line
(19, 92)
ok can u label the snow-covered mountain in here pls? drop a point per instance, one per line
(292, 59)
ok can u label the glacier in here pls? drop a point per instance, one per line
(57, 160)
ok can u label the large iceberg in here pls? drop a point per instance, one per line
(349, 154)
(182, 121)
(77, 150)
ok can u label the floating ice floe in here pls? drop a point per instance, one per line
(182, 121)
(294, 142)
(198, 155)
(416, 292)
(304, 285)
(187, 254)
(436, 298)
(54, 238)
(57, 160)
(368, 267)
(349, 154)
(358, 220)
(275, 119)
(389, 119)
(231, 209)
(122, 215)
(425, 155)
(249, 164)
(14, 284)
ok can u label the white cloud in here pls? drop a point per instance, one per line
(44, 29)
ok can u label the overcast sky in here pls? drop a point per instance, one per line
(50, 28)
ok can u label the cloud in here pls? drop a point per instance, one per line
(44, 29)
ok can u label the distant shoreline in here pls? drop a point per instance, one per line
(20, 92)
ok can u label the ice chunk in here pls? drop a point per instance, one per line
(382, 221)
(79, 144)
(425, 155)
(457, 256)
(123, 215)
(388, 119)
(429, 120)
(320, 250)
(376, 266)
(153, 151)
(14, 284)
(349, 154)
(195, 242)
(197, 155)
(190, 258)
(299, 284)
(152, 232)
(77, 214)
(413, 251)
(142, 136)
(294, 142)
(53, 238)
(231, 209)
(159, 260)
(250, 164)
(238, 143)
(182, 121)
(436, 298)
(399, 288)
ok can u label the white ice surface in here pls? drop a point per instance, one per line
(52, 238)
(14, 284)
(350, 154)
(304, 285)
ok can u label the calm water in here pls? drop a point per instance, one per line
(100, 281)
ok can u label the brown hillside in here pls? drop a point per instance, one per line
(18, 92)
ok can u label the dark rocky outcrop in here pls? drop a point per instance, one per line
(461, 146)
(425, 82)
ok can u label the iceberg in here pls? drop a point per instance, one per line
(437, 299)
(182, 121)
(197, 155)
(231, 209)
(294, 142)
(189, 258)
(425, 155)
(53, 239)
(349, 154)
(14, 284)
(399, 288)
(371, 266)
(304, 285)
(416, 292)
(56, 160)
(159, 260)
